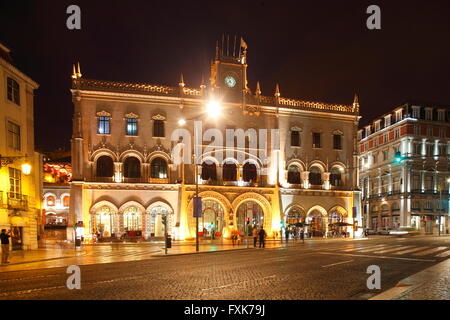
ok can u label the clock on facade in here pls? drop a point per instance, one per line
(230, 81)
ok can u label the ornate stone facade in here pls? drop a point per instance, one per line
(128, 140)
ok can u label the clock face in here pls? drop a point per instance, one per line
(230, 81)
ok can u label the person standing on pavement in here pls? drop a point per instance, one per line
(255, 236)
(262, 237)
(302, 235)
(286, 231)
(4, 238)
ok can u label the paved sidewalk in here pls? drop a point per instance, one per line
(430, 284)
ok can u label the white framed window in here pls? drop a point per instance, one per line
(428, 114)
(416, 112)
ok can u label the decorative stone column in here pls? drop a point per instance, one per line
(118, 173)
(326, 180)
(305, 179)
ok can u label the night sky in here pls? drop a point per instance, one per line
(315, 50)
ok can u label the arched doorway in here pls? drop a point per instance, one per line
(249, 215)
(132, 221)
(104, 222)
(212, 220)
(156, 223)
(317, 224)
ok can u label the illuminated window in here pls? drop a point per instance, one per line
(50, 201)
(132, 127)
(66, 201)
(103, 125)
(13, 91)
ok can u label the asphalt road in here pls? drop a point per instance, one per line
(314, 270)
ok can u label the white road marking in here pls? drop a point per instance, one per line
(375, 249)
(361, 248)
(443, 254)
(411, 250)
(392, 249)
(334, 264)
(377, 257)
(430, 251)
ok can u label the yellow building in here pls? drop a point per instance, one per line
(20, 174)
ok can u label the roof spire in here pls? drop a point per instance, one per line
(277, 91)
(181, 83)
(79, 71)
(258, 89)
(74, 73)
(356, 99)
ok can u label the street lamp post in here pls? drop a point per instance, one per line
(213, 109)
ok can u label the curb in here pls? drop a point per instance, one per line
(34, 261)
(412, 282)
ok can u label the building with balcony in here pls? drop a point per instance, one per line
(140, 150)
(20, 178)
(404, 169)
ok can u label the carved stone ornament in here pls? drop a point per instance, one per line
(159, 117)
(103, 113)
(296, 128)
(131, 115)
(338, 132)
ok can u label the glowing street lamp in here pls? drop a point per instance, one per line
(213, 108)
(26, 169)
(181, 122)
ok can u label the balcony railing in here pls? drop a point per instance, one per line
(17, 201)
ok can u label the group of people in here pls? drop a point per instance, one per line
(295, 234)
(258, 233)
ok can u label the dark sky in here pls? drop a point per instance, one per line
(315, 50)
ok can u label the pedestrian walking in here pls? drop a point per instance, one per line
(302, 235)
(262, 237)
(286, 232)
(4, 239)
(255, 236)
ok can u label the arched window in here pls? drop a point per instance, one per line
(132, 168)
(336, 177)
(132, 219)
(50, 201)
(249, 172)
(293, 174)
(229, 172)
(66, 201)
(159, 168)
(209, 171)
(105, 167)
(315, 176)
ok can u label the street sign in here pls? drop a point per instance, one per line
(197, 207)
